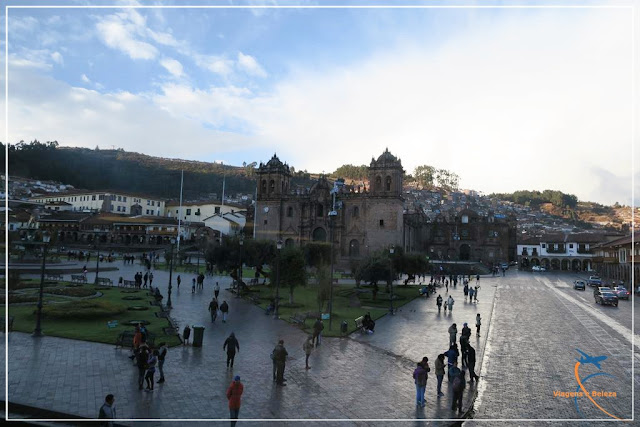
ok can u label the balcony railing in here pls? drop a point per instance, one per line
(560, 250)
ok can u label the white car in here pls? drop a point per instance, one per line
(538, 268)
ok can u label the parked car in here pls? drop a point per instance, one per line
(538, 268)
(579, 284)
(594, 281)
(602, 289)
(621, 292)
(606, 297)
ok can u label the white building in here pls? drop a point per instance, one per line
(228, 224)
(107, 201)
(197, 211)
(559, 251)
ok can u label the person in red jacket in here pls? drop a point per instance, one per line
(234, 393)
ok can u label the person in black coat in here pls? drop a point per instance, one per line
(471, 363)
(231, 344)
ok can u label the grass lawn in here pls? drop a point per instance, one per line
(305, 301)
(95, 329)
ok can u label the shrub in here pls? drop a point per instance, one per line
(18, 298)
(71, 292)
(86, 309)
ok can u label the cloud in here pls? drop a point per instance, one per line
(173, 66)
(57, 58)
(221, 66)
(249, 65)
(119, 32)
(85, 78)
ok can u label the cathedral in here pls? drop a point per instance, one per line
(365, 221)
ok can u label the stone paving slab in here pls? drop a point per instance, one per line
(362, 377)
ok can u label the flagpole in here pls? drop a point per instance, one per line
(180, 209)
(224, 181)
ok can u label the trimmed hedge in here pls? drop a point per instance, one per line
(85, 309)
(71, 292)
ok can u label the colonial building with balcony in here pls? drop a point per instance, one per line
(568, 252)
(617, 259)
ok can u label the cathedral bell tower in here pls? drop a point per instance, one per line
(273, 179)
(385, 176)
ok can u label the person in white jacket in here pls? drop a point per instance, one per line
(450, 302)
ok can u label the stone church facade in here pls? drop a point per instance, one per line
(367, 220)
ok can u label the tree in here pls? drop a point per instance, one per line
(317, 254)
(374, 269)
(424, 175)
(292, 269)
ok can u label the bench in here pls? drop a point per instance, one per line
(299, 318)
(112, 324)
(131, 283)
(125, 339)
(79, 278)
(104, 281)
(358, 321)
(51, 276)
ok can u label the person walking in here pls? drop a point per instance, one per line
(178, 279)
(464, 342)
(471, 364)
(213, 309)
(162, 354)
(186, 333)
(475, 294)
(108, 410)
(234, 393)
(453, 332)
(141, 361)
(440, 373)
(420, 380)
(231, 345)
(308, 348)
(193, 286)
(471, 292)
(150, 279)
(137, 340)
(452, 356)
(280, 357)
(439, 302)
(466, 291)
(458, 385)
(318, 327)
(216, 290)
(151, 369)
(145, 278)
(224, 308)
(478, 323)
(450, 302)
(477, 278)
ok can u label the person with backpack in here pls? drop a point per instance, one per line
(162, 354)
(440, 373)
(457, 385)
(420, 380)
(224, 309)
(231, 345)
(213, 309)
(439, 302)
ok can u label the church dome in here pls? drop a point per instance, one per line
(386, 159)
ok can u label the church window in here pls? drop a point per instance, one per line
(356, 211)
(388, 183)
(378, 183)
(290, 211)
(382, 223)
(320, 210)
(272, 186)
(264, 185)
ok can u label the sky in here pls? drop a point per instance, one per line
(507, 98)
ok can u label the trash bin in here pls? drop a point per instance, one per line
(198, 334)
(343, 326)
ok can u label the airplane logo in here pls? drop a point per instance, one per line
(590, 359)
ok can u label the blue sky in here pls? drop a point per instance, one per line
(507, 98)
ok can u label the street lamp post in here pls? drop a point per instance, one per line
(241, 242)
(95, 282)
(332, 214)
(275, 312)
(391, 252)
(173, 241)
(46, 237)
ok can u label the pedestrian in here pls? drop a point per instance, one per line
(440, 372)
(141, 360)
(185, 335)
(420, 380)
(453, 331)
(280, 357)
(151, 369)
(150, 279)
(478, 323)
(308, 348)
(216, 290)
(477, 278)
(234, 393)
(178, 279)
(213, 309)
(464, 342)
(143, 332)
(466, 291)
(471, 291)
(471, 364)
(162, 354)
(450, 302)
(193, 285)
(137, 340)
(318, 326)
(146, 279)
(439, 302)
(120, 282)
(452, 356)
(84, 271)
(458, 385)
(224, 308)
(475, 294)
(108, 410)
(231, 345)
